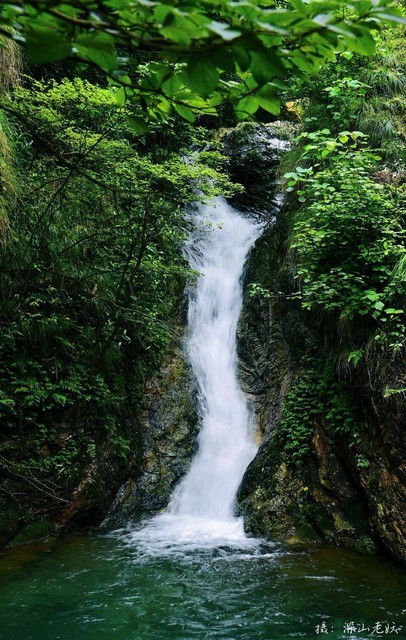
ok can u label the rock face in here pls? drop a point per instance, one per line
(342, 493)
(254, 153)
(168, 433)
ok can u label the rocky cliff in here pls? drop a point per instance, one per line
(310, 482)
(344, 491)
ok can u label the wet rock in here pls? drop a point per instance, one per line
(34, 531)
(168, 433)
(384, 486)
(330, 497)
(253, 153)
(82, 499)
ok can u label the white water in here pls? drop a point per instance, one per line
(200, 513)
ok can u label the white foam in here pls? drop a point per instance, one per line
(169, 534)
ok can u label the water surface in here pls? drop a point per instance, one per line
(107, 588)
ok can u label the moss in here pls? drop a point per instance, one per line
(306, 533)
(365, 545)
(341, 524)
(33, 531)
(9, 523)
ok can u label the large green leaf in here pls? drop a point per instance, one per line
(202, 75)
(246, 107)
(97, 47)
(222, 29)
(266, 65)
(44, 45)
(185, 112)
(138, 124)
(268, 100)
(360, 41)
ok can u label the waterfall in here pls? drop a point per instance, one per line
(200, 512)
(217, 250)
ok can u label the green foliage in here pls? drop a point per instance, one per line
(365, 95)
(256, 290)
(91, 272)
(204, 54)
(347, 221)
(317, 399)
(348, 239)
(301, 408)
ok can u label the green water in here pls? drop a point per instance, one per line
(88, 588)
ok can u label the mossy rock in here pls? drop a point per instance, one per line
(10, 519)
(169, 431)
(34, 531)
(365, 545)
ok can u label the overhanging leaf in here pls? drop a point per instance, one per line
(202, 75)
(97, 47)
(268, 100)
(138, 124)
(44, 45)
(246, 107)
(185, 112)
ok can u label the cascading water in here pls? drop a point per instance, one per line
(200, 513)
(217, 250)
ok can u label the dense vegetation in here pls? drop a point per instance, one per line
(98, 166)
(92, 278)
(193, 47)
(347, 242)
